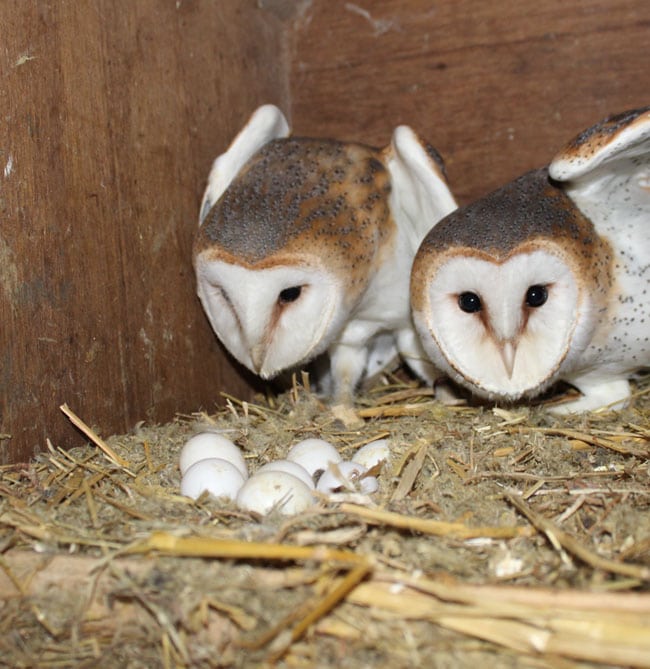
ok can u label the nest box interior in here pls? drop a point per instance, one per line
(113, 113)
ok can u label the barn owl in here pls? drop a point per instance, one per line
(547, 278)
(305, 246)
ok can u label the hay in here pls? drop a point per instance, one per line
(504, 537)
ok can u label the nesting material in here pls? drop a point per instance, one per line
(497, 536)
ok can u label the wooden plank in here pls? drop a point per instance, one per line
(112, 114)
(498, 88)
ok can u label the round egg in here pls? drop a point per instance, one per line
(313, 454)
(350, 474)
(219, 477)
(372, 454)
(211, 445)
(274, 489)
(289, 467)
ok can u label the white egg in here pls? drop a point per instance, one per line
(211, 445)
(368, 485)
(372, 454)
(266, 490)
(350, 477)
(313, 454)
(289, 467)
(219, 477)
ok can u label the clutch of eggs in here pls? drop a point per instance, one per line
(210, 462)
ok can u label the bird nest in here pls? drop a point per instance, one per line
(498, 537)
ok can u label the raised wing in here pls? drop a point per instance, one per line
(420, 195)
(266, 123)
(606, 171)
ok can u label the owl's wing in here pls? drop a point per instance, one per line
(420, 195)
(266, 123)
(606, 171)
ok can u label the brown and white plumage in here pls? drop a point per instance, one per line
(547, 278)
(305, 246)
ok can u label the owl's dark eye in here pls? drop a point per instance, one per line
(289, 294)
(469, 302)
(536, 296)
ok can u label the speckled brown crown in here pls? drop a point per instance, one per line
(303, 196)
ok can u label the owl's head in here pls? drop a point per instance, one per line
(506, 291)
(292, 230)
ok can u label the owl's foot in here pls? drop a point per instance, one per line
(347, 415)
(448, 394)
(606, 395)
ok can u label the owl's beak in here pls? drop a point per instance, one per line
(508, 352)
(258, 353)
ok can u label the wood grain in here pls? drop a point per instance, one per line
(112, 114)
(498, 88)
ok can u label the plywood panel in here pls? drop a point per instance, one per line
(112, 113)
(497, 87)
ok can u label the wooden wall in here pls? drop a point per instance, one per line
(113, 112)
(111, 115)
(497, 87)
